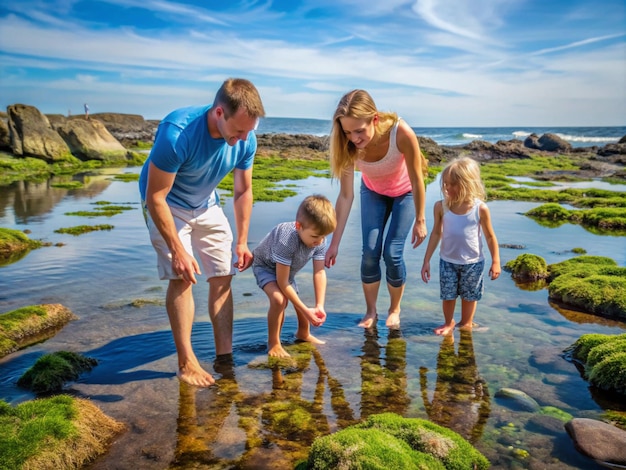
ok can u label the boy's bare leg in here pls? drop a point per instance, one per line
(221, 313)
(304, 331)
(275, 319)
(395, 294)
(370, 291)
(448, 315)
(468, 309)
(180, 310)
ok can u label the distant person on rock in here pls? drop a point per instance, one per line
(461, 219)
(386, 151)
(280, 255)
(86, 111)
(194, 149)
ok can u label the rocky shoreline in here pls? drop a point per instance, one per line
(25, 131)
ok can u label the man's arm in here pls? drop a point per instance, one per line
(243, 211)
(159, 185)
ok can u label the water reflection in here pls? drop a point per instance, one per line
(260, 429)
(461, 398)
(383, 386)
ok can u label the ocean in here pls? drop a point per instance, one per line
(577, 136)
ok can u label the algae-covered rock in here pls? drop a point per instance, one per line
(591, 283)
(518, 399)
(527, 267)
(51, 371)
(29, 325)
(604, 360)
(388, 440)
(14, 245)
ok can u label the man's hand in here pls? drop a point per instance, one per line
(244, 257)
(186, 266)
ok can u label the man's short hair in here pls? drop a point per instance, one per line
(239, 93)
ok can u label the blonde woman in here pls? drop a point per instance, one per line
(461, 219)
(385, 150)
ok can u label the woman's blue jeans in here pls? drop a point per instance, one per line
(376, 211)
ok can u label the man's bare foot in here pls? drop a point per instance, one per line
(278, 351)
(195, 375)
(368, 320)
(393, 321)
(311, 339)
(445, 329)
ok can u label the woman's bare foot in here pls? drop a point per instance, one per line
(278, 351)
(195, 375)
(368, 320)
(445, 329)
(393, 321)
(311, 339)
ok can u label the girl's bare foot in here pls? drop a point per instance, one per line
(195, 375)
(278, 351)
(393, 321)
(311, 339)
(368, 320)
(445, 329)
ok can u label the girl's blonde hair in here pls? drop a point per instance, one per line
(465, 173)
(356, 104)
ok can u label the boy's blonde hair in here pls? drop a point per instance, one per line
(465, 172)
(357, 104)
(236, 93)
(318, 212)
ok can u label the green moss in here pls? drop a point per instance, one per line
(127, 177)
(527, 267)
(579, 251)
(27, 428)
(604, 360)
(416, 441)
(617, 418)
(571, 264)
(598, 289)
(354, 448)
(80, 229)
(51, 371)
(102, 210)
(269, 171)
(556, 413)
(602, 219)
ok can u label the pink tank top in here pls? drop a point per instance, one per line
(389, 175)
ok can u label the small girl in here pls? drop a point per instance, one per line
(461, 219)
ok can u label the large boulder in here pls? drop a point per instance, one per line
(554, 143)
(90, 140)
(32, 135)
(5, 139)
(603, 442)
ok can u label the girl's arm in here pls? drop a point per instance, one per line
(342, 211)
(433, 241)
(282, 279)
(492, 241)
(407, 143)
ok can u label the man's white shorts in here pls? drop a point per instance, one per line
(205, 234)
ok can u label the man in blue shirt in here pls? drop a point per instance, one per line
(194, 149)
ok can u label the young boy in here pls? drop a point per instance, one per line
(280, 255)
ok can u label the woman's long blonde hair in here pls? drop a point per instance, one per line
(356, 104)
(465, 172)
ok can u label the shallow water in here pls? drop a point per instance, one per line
(259, 417)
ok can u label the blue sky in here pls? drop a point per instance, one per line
(436, 62)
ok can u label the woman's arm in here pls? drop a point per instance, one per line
(407, 143)
(342, 211)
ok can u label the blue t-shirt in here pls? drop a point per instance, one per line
(183, 145)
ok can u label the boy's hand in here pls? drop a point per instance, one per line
(494, 271)
(316, 316)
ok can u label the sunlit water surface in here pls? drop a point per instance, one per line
(258, 417)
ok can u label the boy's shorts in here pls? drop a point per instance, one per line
(205, 234)
(264, 276)
(465, 280)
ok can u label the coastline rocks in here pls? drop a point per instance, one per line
(31, 135)
(517, 399)
(548, 142)
(598, 440)
(128, 128)
(90, 140)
